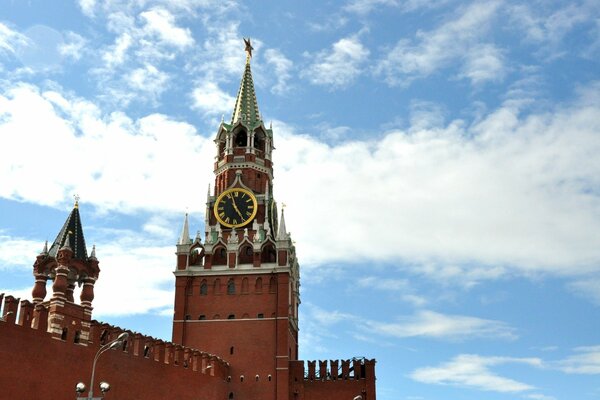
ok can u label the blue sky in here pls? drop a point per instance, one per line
(438, 160)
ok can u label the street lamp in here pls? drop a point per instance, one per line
(104, 386)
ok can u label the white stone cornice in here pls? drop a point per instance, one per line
(233, 271)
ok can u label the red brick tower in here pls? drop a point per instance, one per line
(237, 294)
(67, 264)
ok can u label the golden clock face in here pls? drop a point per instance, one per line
(235, 207)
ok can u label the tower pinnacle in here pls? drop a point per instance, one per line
(246, 106)
(248, 50)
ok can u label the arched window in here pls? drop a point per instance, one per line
(246, 255)
(217, 286)
(196, 256)
(230, 396)
(203, 288)
(268, 254)
(259, 141)
(220, 256)
(245, 285)
(258, 285)
(241, 139)
(231, 287)
(272, 285)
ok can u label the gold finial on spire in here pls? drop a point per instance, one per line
(248, 49)
(76, 197)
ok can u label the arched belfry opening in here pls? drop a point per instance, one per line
(259, 140)
(241, 138)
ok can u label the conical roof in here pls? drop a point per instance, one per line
(73, 232)
(282, 234)
(184, 238)
(246, 106)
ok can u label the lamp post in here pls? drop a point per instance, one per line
(104, 386)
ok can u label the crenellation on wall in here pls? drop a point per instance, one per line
(168, 353)
(34, 317)
(350, 369)
(10, 309)
(332, 379)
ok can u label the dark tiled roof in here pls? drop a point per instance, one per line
(71, 229)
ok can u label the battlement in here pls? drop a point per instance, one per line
(67, 359)
(351, 369)
(333, 379)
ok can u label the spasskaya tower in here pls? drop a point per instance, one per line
(237, 288)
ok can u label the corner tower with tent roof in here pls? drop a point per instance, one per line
(237, 289)
(67, 264)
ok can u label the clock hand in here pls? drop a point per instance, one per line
(237, 210)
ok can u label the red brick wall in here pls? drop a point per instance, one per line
(35, 366)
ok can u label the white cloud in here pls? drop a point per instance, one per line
(149, 80)
(282, 66)
(221, 55)
(588, 288)
(18, 252)
(339, 66)
(586, 360)
(441, 326)
(549, 26)
(87, 7)
(507, 194)
(73, 47)
(161, 22)
(11, 40)
(364, 7)
(116, 54)
(459, 40)
(538, 396)
(473, 371)
(211, 99)
(401, 287)
(424, 324)
(119, 264)
(484, 63)
(112, 161)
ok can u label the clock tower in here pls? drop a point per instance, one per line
(237, 287)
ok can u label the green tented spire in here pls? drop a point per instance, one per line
(246, 107)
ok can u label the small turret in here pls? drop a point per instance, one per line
(184, 238)
(282, 233)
